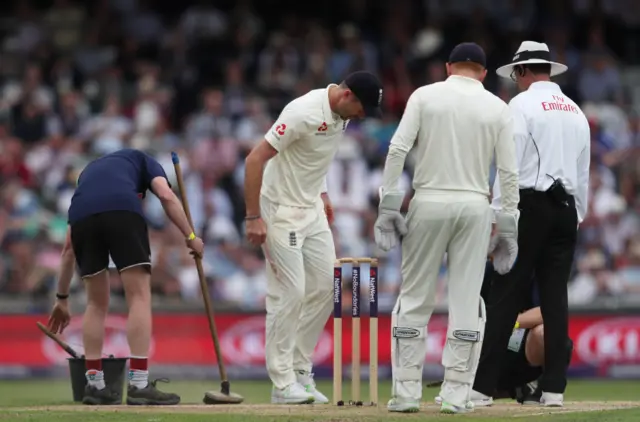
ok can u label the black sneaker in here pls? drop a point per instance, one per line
(95, 397)
(529, 394)
(151, 396)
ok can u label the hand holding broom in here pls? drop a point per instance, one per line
(224, 396)
(58, 340)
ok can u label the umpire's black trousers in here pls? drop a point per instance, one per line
(547, 232)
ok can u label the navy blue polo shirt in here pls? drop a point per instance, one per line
(116, 182)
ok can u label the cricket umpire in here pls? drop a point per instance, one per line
(553, 149)
(106, 219)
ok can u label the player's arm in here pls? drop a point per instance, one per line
(582, 190)
(509, 147)
(530, 318)
(401, 143)
(67, 265)
(254, 166)
(283, 132)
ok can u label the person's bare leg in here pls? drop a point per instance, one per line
(136, 281)
(137, 288)
(534, 348)
(95, 314)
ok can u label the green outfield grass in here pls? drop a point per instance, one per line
(51, 400)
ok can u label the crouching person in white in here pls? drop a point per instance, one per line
(458, 126)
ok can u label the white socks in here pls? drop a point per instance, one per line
(139, 379)
(95, 379)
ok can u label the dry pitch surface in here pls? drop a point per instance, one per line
(616, 405)
(329, 411)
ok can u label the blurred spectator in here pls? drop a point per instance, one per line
(630, 271)
(594, 279)
(65, 22)
(210, 123)
(207, 79)
(600, 79)
(108, 131)
(252, 127)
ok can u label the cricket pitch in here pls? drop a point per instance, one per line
(335, 412)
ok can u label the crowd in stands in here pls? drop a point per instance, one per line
(208, 78)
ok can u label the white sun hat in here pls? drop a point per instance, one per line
(531, 52)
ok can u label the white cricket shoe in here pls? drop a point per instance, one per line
(552, 399)
(480, 400)
(306, 380)
(291, 394)
(400, 405)
(450, 409)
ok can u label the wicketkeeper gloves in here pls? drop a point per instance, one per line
(504, 244)
(390, 225)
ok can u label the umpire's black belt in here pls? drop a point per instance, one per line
(531, 193)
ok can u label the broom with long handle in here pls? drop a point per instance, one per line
(224, 396)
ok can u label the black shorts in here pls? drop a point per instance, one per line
(121, 234)
(516, 370)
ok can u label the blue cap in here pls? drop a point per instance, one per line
(368, 89)
(468, 52)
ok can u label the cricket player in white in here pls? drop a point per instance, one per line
(458, 126)
(288, 210)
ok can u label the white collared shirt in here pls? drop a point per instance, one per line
(552, 142)
(459, 125)
(306, 136)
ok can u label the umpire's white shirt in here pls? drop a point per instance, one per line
(306, 136)
(457, 126)
(552, 142)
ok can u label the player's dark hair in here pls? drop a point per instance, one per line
(538, 68)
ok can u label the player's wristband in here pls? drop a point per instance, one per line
(515, 327)
(191, 236)
(251, 217)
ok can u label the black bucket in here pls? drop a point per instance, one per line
(114, 375)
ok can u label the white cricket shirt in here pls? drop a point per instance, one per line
(459, 126)
(306, 136)
(553, 141)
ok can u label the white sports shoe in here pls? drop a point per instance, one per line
(449, 408)
(399, 405)
(552, 399)
(291, 394)
(306, 380)
(480, 400)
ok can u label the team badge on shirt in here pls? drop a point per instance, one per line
(281, 128)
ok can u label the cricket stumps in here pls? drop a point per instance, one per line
(355, 330)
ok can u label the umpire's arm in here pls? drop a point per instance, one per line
(582, 190)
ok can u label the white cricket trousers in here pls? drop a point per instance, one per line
(300, 255)
(460, 225)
